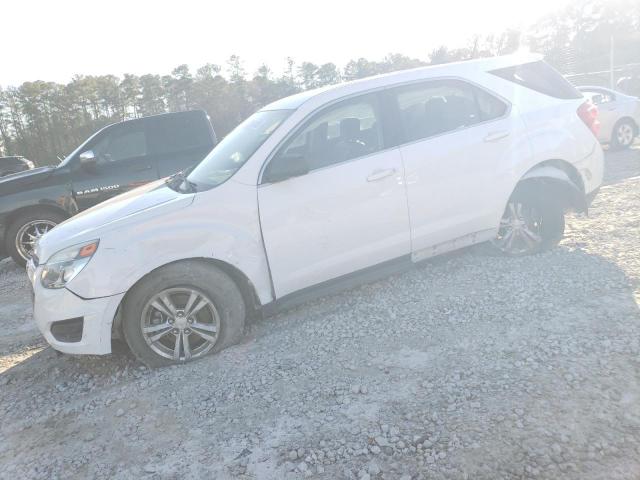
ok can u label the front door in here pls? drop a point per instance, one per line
(348, 213)
(122, 163)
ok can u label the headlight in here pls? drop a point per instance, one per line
(63, 266)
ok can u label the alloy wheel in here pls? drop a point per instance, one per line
(29, 234)
(180, 323)
(625, 134)
(520, 230)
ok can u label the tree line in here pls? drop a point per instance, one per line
(46, 120)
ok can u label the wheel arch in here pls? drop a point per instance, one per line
(557, 179)
(13, 216)
(242, 281)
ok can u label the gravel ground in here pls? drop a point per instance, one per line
(469, 366)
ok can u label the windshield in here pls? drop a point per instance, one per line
(236, 148)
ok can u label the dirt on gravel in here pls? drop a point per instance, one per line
(468, 366)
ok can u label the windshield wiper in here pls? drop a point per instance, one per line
(179, 181)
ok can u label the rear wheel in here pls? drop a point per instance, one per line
(182, 312)
(623, 134)
(530, 224)
(26, 230)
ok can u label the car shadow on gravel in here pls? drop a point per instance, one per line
(565, 261)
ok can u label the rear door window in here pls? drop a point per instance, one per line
(179, 132)
(435, 107)
(541, 77)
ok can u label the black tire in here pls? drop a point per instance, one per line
(620, 136)
(191, 274)
(545, 219)
(15, 227)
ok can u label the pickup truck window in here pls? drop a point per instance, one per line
(121, 144)
(168, 134)
(236, 148)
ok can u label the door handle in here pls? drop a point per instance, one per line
(380, 174)
(495, 136)
(143, 168)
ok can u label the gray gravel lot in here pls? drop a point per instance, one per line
(469, 366)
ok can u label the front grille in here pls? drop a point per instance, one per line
(68, 330)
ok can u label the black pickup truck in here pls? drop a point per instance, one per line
(117, 158)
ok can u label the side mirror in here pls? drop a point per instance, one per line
(88, 159)
(283, 167)
(597, 99)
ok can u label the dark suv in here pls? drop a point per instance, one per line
(14, 164)
(115, 159)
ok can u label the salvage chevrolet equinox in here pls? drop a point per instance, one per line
(316, 190)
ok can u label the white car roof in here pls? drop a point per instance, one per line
(448, 69)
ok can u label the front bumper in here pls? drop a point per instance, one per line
(59, 305)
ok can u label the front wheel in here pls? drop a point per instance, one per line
(182, 312)
(529, 225)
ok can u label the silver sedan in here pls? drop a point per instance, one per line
(619, 115)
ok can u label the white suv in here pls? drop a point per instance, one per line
(318, 190)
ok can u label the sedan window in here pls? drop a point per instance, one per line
(598, 97)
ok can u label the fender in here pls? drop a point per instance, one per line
(556, 183)
(220, 225)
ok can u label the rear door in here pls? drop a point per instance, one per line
(123, 162)
(348, 213)
(180, 140)
(457, 141)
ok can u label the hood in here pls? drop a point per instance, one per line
(26, 177)
(133, 207)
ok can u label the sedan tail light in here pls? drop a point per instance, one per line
(588, 113)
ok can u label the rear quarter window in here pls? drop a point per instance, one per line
(541, 77)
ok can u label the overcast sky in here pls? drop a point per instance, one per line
(56, 39)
